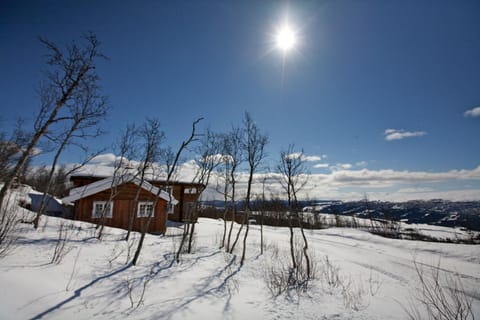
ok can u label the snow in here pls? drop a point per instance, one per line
(107, 183)
(93, 281)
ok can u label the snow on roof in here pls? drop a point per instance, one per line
(107, 183)
(148, 177)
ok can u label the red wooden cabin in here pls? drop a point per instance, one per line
(91, 198)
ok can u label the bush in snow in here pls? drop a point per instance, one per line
(9, 221)
(281, 278)
(440, 296)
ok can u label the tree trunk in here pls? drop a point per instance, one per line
(261, 232)
(247, 214)
(234, 210)
(131, 218)
(292, 244)
(305, 247)
(186, 230)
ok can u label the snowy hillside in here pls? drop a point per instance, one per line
(364, 277)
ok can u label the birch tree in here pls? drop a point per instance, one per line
(206, 162)
(152, 138)
(233, 153)
(172, 163)
(126, 147)
(72, 71)
(86, 111)
(293, 177)
(254, 144)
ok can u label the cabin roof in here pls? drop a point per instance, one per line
(98, 177)
(109, 182)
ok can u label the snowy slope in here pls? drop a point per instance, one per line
(93, 281)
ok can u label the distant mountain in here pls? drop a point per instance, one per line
(434, 212)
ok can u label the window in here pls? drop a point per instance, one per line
(145, 209)
(102, 208)
(170, 208)
(190, 190)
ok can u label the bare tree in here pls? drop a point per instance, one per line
(263, 202)
(152, 139)
(208, 159)
(172, 160)
(126, 147)
(86, 111)
(172, 163)
(62, 248)
(440, 295)
(72, 73)
(233, 153)
(293, 178)
(254, 144)
(223, 184)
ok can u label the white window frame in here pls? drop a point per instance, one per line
(170, 208)
(145, 214)
(108, 213)
(190, 190)
(170, 205)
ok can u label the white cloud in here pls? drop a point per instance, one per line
(390, 177)
(344, 183)
(475, 112)
(303, 157)
(294, 155)
(341, 166)
(321, 165)
(361, 164)
(311, 158)
(394, 134)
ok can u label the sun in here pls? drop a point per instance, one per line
(285, 38)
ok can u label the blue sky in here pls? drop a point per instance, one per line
(373, 87)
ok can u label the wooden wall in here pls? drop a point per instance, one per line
(183, 198)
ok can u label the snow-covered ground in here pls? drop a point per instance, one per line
(93, 281)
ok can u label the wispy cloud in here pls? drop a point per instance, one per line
(475, 112)
(394, 134)
(415, 190)
(303, 157)
(311, 158)
(362, 164)
(341, 166)
(321, 165)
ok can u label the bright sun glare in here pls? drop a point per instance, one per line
(285, 38)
